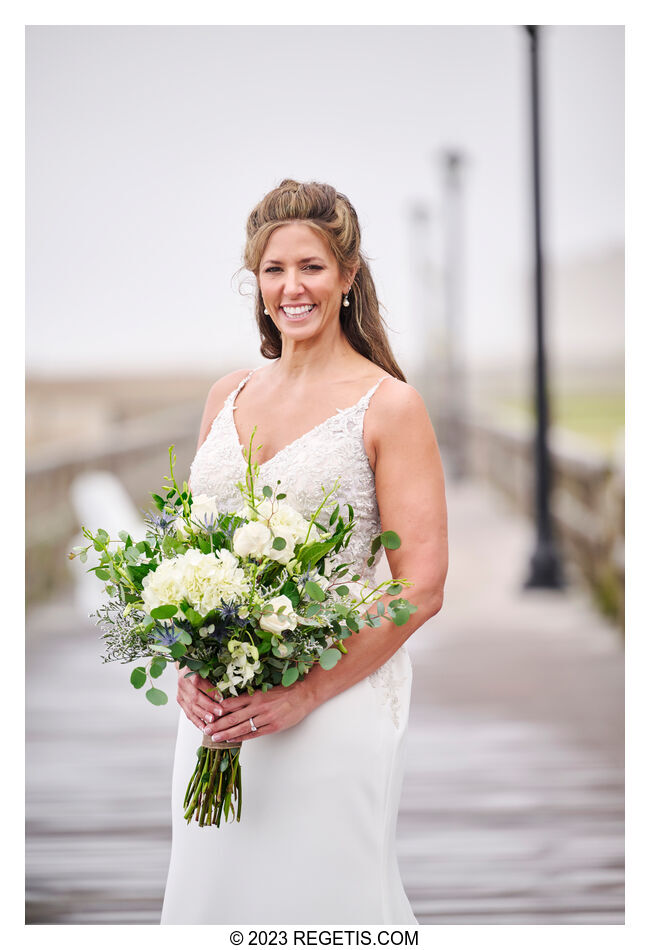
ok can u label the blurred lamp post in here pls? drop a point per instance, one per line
(424, 299)
(454, 384)
(545, 565)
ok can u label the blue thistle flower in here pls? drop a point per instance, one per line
(166, 634)
(160, 520)
(209, 522)
(230, 614)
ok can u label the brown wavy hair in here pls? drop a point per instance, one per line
(329, 213)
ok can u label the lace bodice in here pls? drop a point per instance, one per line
(332, 450)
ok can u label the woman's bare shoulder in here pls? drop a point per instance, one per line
(219, 392)
(394, 401)
(222, 388)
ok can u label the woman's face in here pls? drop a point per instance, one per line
(300, 281)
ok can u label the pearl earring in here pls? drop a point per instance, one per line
(346, 302)
(266, 311)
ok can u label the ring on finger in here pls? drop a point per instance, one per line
(252, 724)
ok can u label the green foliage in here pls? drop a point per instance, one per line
(329, 658)
(315, 591)
(290, 676)
(156, 696)
(326, 615)
(164, 613)
(157, 667)
(390, 540)
(138, 677)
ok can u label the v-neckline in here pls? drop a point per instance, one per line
(289, 445)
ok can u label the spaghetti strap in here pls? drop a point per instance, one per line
(365, 400)
(233, 395)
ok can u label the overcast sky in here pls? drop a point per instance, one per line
(148, 146)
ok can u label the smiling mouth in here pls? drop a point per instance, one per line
(297, 313)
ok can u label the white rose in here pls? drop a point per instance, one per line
(204, 512)
(286, 553)
(252, 540)
(277, 622)
(287, 519)
(281, 518)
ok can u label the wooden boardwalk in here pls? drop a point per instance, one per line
(512, 810)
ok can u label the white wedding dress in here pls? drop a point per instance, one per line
(316, 840)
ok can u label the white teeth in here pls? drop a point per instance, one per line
(297, 311)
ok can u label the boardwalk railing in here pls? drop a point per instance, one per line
(135, 451)
(587, 502)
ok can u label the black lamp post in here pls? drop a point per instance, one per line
(454, 382)
(545, 565)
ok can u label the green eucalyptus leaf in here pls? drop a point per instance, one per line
(376, 544)
(315, 591)
(164, 612)
(138, 677)
(401, 616)
(194, 618)
(342, 590)
(267, 492)
(290, 676)
(157, 667)
(329, 658)
(156, 696)
(390, 540)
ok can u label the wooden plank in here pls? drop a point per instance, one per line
(512, 807)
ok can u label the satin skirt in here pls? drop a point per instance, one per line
(316, 840)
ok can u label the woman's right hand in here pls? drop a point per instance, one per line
(191, 697)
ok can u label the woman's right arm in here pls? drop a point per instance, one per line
(191, 689)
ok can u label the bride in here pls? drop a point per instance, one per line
(322, 760)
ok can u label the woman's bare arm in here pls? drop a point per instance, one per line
(411, 499)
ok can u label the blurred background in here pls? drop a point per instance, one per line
(146, 149)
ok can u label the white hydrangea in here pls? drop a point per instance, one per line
(165, 585)
(204, 580)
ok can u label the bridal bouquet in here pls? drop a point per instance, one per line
(248, 599)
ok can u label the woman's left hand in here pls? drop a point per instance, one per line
(278, 708)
